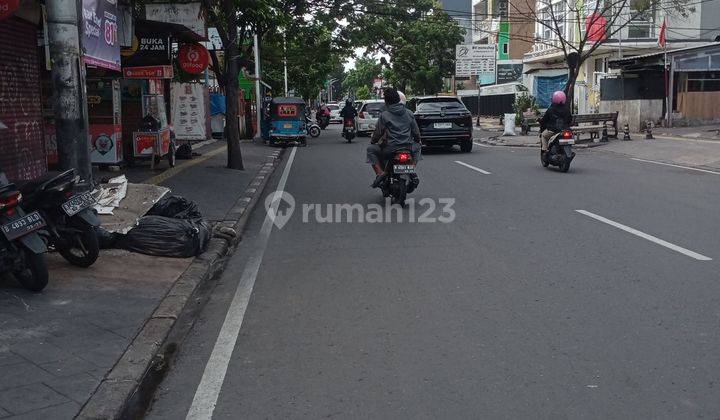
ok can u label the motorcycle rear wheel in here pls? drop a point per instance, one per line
(34, 276)
(82, 249)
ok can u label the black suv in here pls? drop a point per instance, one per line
(443, 121)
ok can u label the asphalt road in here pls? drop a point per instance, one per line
(521, 307)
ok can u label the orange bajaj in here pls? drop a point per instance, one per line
(287, 122)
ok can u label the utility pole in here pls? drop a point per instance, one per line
(68, 76)
(285, 63)
(258, 99)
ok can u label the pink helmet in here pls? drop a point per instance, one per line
(559, 97)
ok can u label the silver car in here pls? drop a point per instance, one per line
(368, 114)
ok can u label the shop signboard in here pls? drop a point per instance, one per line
(100, 34)
(148, 48)
(193, 58)
(149, 143)
(187, 14)
(188, 111)
(508, 71)
(8, 7)
(148, 72)
(106, 143)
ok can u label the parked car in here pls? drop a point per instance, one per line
(334, 113)
(368, 114)
(443, 121)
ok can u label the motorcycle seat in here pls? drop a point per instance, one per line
(44, 182)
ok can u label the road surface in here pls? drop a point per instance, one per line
(591, 294)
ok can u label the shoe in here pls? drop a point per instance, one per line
(414, 182)
(378, 180)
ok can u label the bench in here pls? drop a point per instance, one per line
(594, 124)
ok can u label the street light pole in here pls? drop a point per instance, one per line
(285, 63)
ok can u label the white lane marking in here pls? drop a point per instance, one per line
(208, 390)
(676, 166)
(643, 235)
(481, 144)
(482, 171)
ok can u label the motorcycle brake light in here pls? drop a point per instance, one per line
(10, 200)
(403, 157)
(567, 134)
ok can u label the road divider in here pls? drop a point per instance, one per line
(677, 166)
(643, 235)
(482, 171)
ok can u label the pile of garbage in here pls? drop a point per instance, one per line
(173, 227)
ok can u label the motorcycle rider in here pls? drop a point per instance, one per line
(556, 119)
(348, 112)
(396, 129)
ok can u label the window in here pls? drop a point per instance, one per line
(505, 49)
(642, 19)
(559, 13)
(439, 104)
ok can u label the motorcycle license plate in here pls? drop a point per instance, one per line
(442, 125)
(22, 226)
(404, 169)
(78, 203)
(287, 126)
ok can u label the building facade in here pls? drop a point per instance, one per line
(460, 10)
(545, 67)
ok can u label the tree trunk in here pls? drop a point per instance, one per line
(570, 86)
(232, 69)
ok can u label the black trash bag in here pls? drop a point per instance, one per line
(167, 237)
(184, 151)
(176, 207)
(106, 239)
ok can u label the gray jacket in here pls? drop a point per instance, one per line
(397, 124)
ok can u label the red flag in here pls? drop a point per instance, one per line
(662, 38)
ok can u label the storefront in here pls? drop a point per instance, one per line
(22, 147)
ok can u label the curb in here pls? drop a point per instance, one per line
(126, 391)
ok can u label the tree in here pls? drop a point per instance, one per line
(237, 21)
(590, 27)
(362, 93)
(417, 35)
(365, 71)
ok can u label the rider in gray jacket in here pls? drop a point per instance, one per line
(396, 129)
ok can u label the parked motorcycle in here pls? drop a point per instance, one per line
(401, 178)
(348, 130)
(21, 248)
(313, 128)
(71, 221)
(559, 151)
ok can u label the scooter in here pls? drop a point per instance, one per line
(559, 151)
(401, 178)
(71, 221)
(21, 248)
(348, 130)
(313, 128)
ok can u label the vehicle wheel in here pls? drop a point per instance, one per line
(543, 160)
(171, 155)
(564, 166)
(314, 131)
(466, 146)
(35, 274)
(82, 249)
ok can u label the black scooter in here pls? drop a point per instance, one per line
(401, 178)
(21, 247)
(559, 151)
(69, 215)
(348, 130)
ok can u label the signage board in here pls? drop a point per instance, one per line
(508, 72)
(148, 72)
(187, 14)
(193, 58)
(100, 34)
(476, 60)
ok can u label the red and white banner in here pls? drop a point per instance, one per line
(148, 72)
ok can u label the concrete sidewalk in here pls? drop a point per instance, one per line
(700, 153)
(106, 321)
